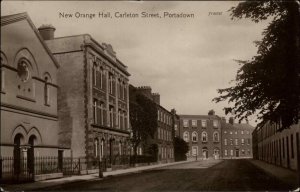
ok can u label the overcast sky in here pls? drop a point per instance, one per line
(184, 60)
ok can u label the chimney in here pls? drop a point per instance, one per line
(156, 98)
(47, 32)
(146, 91)
(173, 111)
(231, 120)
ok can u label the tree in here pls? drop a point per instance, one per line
(143, 119)
(180, 149)
(269, 83)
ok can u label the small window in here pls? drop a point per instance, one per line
(231, 152)
(216, 137)
(225, 141)
(225, 132)
(242, 141)
(215, 123)
(185, 123)
(225, 152)
(231, 141)
(186, 136)
(242, 132)
(236, 141)
(194, 136)
(194, 150)
(194, 123)
(204, 137)
(230, 132)
(203, 123)
(236, 132)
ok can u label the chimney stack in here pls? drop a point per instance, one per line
(146, 91)
(156, 98)
(231, 120)
(47, 32)
(223, 119)
(211, 112)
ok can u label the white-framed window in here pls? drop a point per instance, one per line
(225, 141)
(230, 132)
(242, 132)
(215, 123)
(242, 141)
(243, 152)
(203, 123)
(235, 132)
(231, 141)
(248, 141)
(236, 142)
(194, 123)
(216, 136)
(195, 150)
(204, 136)
(225, 152)
(111, 82)
(185, 123)
(186, 137)
(231, 152)
(194, 136)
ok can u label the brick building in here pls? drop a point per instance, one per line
(164, 133)
(93, 103)
(203, 135)
(280, 148)
(236, 140)
(29, 119)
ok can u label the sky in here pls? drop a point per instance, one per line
(185, 60)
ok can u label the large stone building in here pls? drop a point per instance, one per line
(164, 132)
(236, 140)
(281, 148)
(203, 135)
(29, 119)
(93, 103)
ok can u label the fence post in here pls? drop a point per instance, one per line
(100, 169)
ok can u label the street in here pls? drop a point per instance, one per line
(226, 175)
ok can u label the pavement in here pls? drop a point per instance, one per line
(288, 176)
(81, 178)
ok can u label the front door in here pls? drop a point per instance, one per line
(237, 153)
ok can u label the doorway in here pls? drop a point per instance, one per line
(237, 152)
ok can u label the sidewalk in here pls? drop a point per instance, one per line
(82, 178)
(286, 175)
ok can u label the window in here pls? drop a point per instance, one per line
(158, 133)
(175, 127)
(225, 152)
(46, 91)
(111, 116)
(236, 141)
(194, 123)
(195, 150)
(216, 136)
(101, 78)
(95, 111)
(235, 132)
(158, 117)
(194, 136)
(242, 132)
(231, 141)
(242, 141)
(248, 151)
(230, 132)
(96, 143)
(23, 70)
(248, 141)
(215, 123)
(225, 141)
(231, 152)
(243, 152)
(186, 136)
(185, 123)
(111, 83)
(203, 123)
(94, 74)
(125, 92)
(204, 137)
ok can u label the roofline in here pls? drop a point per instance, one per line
(7, 19)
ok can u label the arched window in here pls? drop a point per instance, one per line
(94, 74)
(194, 136)
(216, 136)
(96, 143)
(204, 136)
(186, 136)
(47, 91)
